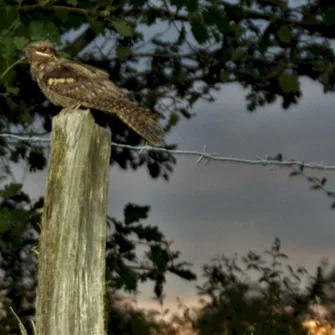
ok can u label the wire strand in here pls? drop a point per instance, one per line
(202, 155)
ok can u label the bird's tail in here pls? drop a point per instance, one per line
(143, 121)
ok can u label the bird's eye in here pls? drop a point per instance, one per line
(43, 48)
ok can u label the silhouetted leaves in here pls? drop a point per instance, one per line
(36, 159)
(199, 29)
(134, 213)
(289, 83)
(284, 34)
(329, 17)
(122, 27)
(316, 183)
(268, 60)
(259, 296)
(10, 190)
(125, 269)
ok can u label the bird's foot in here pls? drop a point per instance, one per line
(71, 108)
(76, 106)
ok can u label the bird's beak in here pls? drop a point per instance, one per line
(24, 55)
(26, 50)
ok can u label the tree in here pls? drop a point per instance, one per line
(254, 294)
(263, 294)
(20, 217)
(266, 46)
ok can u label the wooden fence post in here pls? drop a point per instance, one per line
(71, 274)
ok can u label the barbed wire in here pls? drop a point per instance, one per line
(202, 155)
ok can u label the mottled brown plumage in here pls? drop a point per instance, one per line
(68, 83)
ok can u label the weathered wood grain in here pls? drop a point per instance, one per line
(70, 294)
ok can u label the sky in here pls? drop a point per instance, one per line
(215, 208)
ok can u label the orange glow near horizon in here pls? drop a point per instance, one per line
(316, 327)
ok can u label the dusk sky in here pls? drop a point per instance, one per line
(208, 209)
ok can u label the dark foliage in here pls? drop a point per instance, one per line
(19, 228)
(169, 55)
(262, 294)
(192, 49)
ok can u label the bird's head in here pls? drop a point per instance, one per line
(40, 52)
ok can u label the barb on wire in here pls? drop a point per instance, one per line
(266, 161)
(206, 154)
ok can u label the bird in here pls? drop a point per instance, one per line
(71, 84)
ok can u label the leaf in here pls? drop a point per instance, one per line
(25, 117)
(213, 16)
(13, 90)
(134, 213)
(154, 169)
(130, 279)
(122, 52)
(276, 70)
(289, 83)
(159, 256)
(150, 234)
(36, 160)
(178, 3)
(97, 26)
(192, 5)
(329, 18)
(11, 190)
(62, 14)
(138, 3)
(20, 42)
(238, 54)
(284, 34)
(72, 2)
(36, 30)
(159, 281)
(183, 273)
(9, 18)
(237, 29)
(174, 118)
(7, 48)
(39, 203)
(124, 245)
(151, 16)
(224, 76)
(5, 220)
(199, 31)
(324, 78)
(122, 27)
(53, 32)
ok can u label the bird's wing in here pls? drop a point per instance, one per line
(73, 79)
(89, 70)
